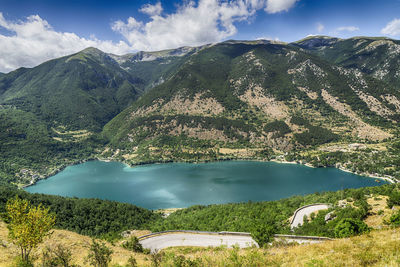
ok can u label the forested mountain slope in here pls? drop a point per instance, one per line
(262, 96)
(320, 100)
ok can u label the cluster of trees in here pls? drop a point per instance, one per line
(280, 128)
(29, 225)
(27, 143)
(315, 135)
(254, 217)
(93, 217)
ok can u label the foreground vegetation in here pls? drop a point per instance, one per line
(92, 217)
(378, 248)
(355, 212)
(102, 218)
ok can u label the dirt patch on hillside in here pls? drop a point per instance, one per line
(373, 104)
(379, 213)
(200, 133)
(361, 129)
(199, 105)
(391, 99)
(310, 94)
(254, 96)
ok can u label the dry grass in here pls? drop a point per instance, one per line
(78, 244)
(379, 248)
(380, 213)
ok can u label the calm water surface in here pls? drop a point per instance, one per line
(176, 185)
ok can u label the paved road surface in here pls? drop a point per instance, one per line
(306, 211)
(199, 240)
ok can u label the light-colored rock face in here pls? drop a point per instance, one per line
(199, 105)
(391, 99)
(200, 133)
(310, 94)
(254, 96)
(361, 129)
(374, 105)
(308, 65)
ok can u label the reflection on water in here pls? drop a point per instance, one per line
(174, 185)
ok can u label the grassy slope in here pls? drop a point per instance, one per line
(378, 248)
(79, 245)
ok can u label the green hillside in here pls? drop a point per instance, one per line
(321, 100)
(82, 91)
(227, 96)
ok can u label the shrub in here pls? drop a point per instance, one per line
(350, 227)
(263, 234)
(133, 244)
(395, 219)
(99, 254)
(394, 199)
(58, 256)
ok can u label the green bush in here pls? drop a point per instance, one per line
(133, 244)
(350, 227)
(263, 234)
(394, 199)
(99, 254)
(395, 219)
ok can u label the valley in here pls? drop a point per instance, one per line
(308, 101)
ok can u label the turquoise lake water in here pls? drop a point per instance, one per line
(177, 185)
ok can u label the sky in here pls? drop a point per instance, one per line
(34, 31)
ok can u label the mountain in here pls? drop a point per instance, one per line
(84, 90)
(376, 56)
(308, 101)
(258, 96)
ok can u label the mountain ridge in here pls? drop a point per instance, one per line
(235, 99)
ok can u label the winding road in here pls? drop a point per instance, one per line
(158, 242)
(306, 211)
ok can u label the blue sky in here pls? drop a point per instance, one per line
(32, 31)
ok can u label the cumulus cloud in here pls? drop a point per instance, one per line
(392, 28)
(275, 6)
(192, 24)
(152, 10)
(33, 41)
(348, 29)
(320, 27)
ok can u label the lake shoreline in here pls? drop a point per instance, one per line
(391, 180)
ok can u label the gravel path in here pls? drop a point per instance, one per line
(306, 211)
(199, 240)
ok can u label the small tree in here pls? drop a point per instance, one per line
(263, 234)
(28, 225)
(132, 262)
(57, 256)
(133, 244)
(99, 255)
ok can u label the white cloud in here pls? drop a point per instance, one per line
(392, 28)
(275, 6)
(32, 41)
(348, 29)
(192, 24)
(320, 27)
(152, 10)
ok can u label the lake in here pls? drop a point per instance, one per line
(177, 185)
